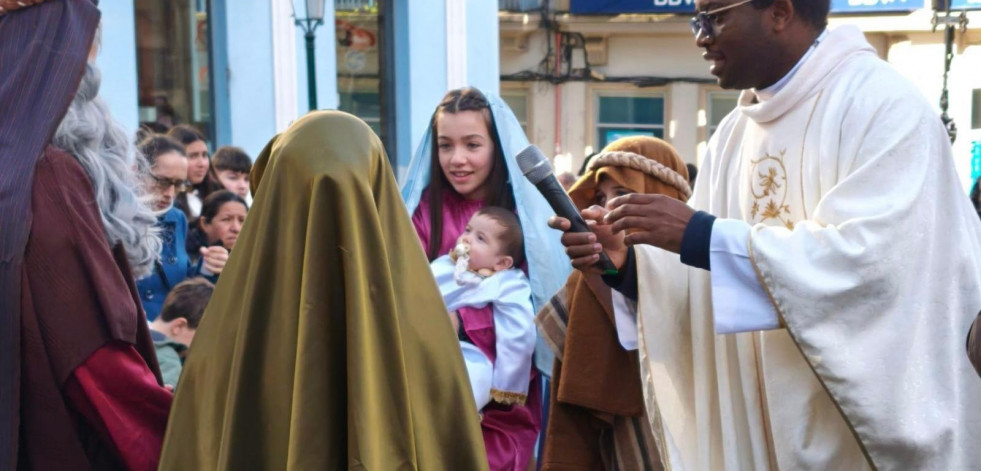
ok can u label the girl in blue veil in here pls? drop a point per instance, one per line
(548, 265)
(441, 198)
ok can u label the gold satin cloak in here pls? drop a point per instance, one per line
(326, 344)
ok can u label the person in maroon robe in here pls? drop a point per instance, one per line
(79, 383)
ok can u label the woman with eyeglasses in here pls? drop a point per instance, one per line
(165, 179)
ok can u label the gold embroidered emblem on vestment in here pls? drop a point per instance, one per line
(768, 185)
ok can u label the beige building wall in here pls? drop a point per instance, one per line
(662, 46)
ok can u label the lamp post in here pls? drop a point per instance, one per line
(314, 18)
(949, 23)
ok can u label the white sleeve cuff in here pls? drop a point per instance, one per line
(625, 315)
(739, 303)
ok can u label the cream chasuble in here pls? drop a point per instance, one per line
(869, 252)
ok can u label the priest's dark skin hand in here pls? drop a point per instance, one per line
(656, 220)
(583, 248)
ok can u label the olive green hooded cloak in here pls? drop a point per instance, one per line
(326, 344)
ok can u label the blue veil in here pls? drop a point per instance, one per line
(548, 265)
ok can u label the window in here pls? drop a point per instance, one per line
(519, 5)
(360, 66)
(623, 115)
(173, 63)
(362, 101)
(719, 105)
(976, 109)
(517, 100)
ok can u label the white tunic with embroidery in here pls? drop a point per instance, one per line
(868, 251)
(509, 292)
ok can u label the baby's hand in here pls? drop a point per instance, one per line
(461, 250)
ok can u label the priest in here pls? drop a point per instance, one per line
(829, 264)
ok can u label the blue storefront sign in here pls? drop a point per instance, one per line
(612, 7)
(863, 6)
(965, 5)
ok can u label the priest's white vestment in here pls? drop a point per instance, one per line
(868, 250)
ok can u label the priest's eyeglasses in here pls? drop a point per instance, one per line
(163, 184)
(707, 22)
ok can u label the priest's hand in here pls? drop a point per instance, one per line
(214, 258)
(584, 248)
(656, 220)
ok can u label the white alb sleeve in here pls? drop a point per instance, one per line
(739, 303)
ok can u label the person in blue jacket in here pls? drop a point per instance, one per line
(166, 178)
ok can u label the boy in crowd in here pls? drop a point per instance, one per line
(173, 330)
(232, 166)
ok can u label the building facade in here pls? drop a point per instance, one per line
(578, 73)
(581, 73)
(238, 69)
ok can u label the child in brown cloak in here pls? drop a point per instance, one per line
(597, 417)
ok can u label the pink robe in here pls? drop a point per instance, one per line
(510, 432)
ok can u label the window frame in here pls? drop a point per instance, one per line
(709, 127)
(351, 85)
(976, 108)
(521, 89)
(597, 92)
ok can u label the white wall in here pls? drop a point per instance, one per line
(284, 64)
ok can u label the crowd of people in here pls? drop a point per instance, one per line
(804, 306)
(200, 211)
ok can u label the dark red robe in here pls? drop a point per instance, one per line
(91, 393)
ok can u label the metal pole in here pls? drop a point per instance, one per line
(311, 71)
(950, 24)
(944, 100)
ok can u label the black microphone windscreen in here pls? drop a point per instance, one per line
(533, 164)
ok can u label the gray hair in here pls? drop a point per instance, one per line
(100, 144)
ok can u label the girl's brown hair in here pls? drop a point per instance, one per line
(464, 99)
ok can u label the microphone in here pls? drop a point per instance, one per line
(538, 171)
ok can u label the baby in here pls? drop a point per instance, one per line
(484, 269)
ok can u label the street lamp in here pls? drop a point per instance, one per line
(950, 23)
(314, 17)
